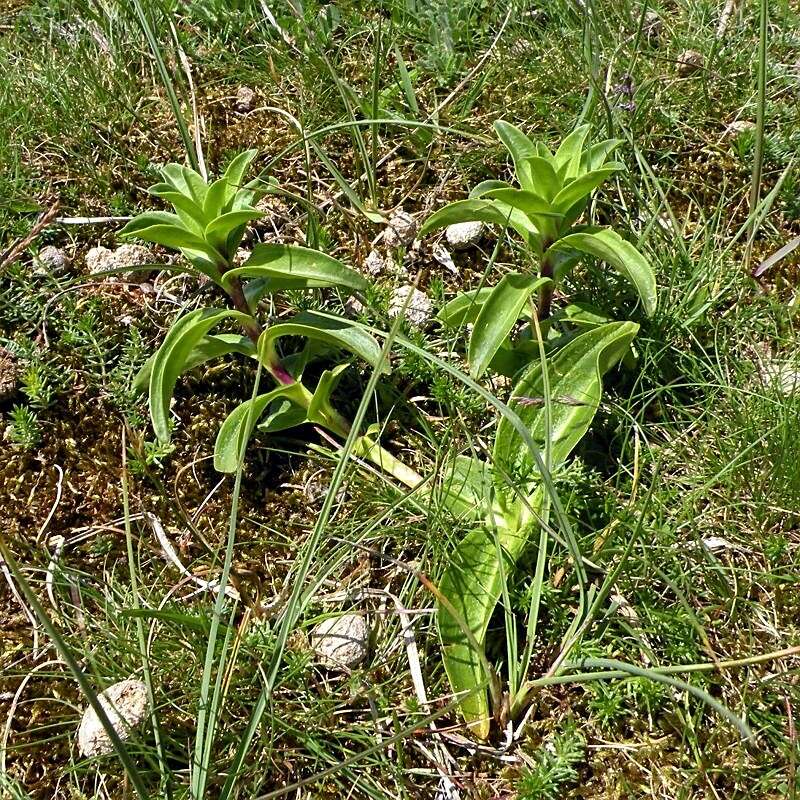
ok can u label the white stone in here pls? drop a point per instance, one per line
(463, 234)
(689, 62)
(739, 126)
(51, 259)
(133, 255)
(402, 229)
(374, 263)
(125, 704)
(101, 259)
(420, 308)
(245, 99)
(341, 642)
(783, 376)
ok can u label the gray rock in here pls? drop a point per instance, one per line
(126, 705)
(690, 62)
(101, 259)
(402, 229)
(462, 235)
(245, 99)
(420, 308)
(374, 263)
(51, 260)
(341, 643)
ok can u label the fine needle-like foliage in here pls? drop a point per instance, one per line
(554, 191)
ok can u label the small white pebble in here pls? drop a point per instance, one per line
(51, 259)
(374, 263)
(689, 62)
(341, 642)
(245, 99)
(402, 229)
(420, 308)
(739, 126)
(463, 234)
(125, 704)
(99, 259)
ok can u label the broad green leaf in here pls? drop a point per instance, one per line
(198, 188)
(150, 219)
(234, 174)
(320, 401)
(208, 348)
(543, 151)
(288, 266)
(543, 178)
(473, 583)
(575, 377)
(596, 155)
(190, 213)
(220, 229)
(609, 246)
(473, 580)
(520, 147)
(282, 415)
(582, 187)
(338, 332)
(465, 211)
(568, 156)
(167, 230)
(234, 431)
(487, 186)
(534, 208)
(497, 317)
(173, 174)
(464, 308)
(170, 359)
(467, 487)
(215, 199)
(529, 203)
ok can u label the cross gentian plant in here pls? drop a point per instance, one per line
(207, 226)
(555, 189)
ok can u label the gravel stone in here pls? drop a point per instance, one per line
(101, 259)
(402, 229)
(51, 259)
(340, 643)
(374, 263)
(462, 235)
(689, 62)
(126, 705)
(420, 308)
(245, 99)
(739, 126)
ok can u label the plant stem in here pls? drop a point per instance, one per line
(546, 292)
